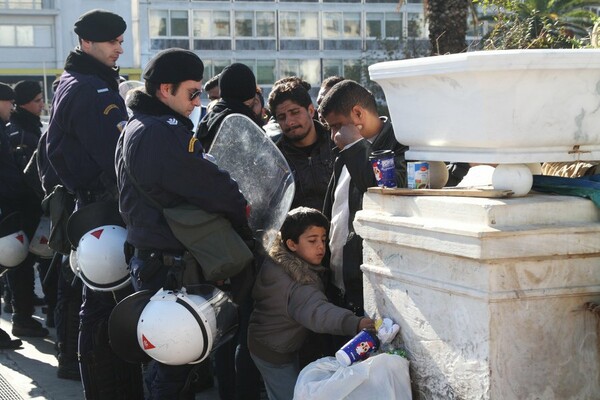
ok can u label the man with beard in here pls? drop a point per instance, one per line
(88, 115)
(305, 142)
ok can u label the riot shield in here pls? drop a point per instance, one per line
(245, 151)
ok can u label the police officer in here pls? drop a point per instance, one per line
(87, 117)
(12, 185)
(158, 151)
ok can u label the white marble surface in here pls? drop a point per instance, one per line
(511, 106)
(488, 292)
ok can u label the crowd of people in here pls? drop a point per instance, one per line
(139, 157)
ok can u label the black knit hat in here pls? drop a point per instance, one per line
(237, 81)
(25, 91)
(100, 26)
(174, 66)
(6, 92)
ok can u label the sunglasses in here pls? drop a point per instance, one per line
(195, 94)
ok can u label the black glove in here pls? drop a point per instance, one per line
(174, 279)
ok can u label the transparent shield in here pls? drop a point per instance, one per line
(262, 173)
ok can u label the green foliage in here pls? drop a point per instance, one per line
(538, 24)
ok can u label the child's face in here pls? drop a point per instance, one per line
(311, 245)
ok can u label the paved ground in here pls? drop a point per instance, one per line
(30, 372)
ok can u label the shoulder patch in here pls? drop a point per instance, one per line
(172, 121)
(103, 90)
(109, 108)
(193, 141)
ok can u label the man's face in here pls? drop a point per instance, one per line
(335, 121)
(185, 98)
(6, 107)
(214, 93)
(35, 106)
(106, 52)
(296, 122)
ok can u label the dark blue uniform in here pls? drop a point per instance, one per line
(87, 117)
(167, 162)
(86, 120)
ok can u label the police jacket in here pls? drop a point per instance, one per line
(26, 129)
(312, 172)
(289, 301)
(356, 159)
(210, 124)
(86, 120)
(159, 151)
(12, 185)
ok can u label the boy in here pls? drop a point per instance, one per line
(290, 301)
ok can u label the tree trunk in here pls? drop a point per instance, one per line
(447, 25)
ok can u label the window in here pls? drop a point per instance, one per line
(374, 22)
(298, 24)
(393, 25)
(264, 70)
(255, 24)
(26, 35)
(26, 4)
(309, 70)
(340, 25)
(165, 23)
(332, 67)
(211, 30)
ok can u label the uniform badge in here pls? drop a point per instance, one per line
(172, 121)
(109, 108)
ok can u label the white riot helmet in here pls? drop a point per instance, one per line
(177, 328)
(97, 233)
(39, 242)
(14, 244)
(73, 262)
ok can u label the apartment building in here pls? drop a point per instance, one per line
(311, 38)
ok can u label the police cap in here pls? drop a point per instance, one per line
(25, 91)
(100, 26)
(6, 92)
(174, 66)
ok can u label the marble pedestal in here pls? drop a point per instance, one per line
(488, 293)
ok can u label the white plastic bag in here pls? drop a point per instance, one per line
(383, 376)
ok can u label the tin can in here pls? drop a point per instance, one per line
(418, 175)
(384, 169)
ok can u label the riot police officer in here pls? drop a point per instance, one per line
(158, 151)
(87, 117)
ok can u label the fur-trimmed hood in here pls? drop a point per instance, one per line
(298, 269)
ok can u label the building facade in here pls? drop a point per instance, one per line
(312, 39)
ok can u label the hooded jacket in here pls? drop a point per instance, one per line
(289, 301)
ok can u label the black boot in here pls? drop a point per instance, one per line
(27, 326)
(7, 343)
(68, 365)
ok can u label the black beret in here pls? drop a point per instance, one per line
(25, 91)
(6, 92)
(100, 26)
(237, 81)
(174, 66)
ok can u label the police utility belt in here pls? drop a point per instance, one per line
(168, 259)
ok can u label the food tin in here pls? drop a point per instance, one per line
(418, 175)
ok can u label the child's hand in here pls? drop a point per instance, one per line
(366, 323)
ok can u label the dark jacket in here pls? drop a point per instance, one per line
(289, 301)
(168, 163)
(312, 173)
(12, 185)
(48, 177)
(210, 124)
(88, 115)
(356, 159)
(26, 129)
